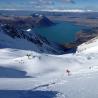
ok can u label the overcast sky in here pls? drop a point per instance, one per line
(49, 4)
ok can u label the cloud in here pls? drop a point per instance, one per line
(49, 4)
(35, 4)
(70, 1)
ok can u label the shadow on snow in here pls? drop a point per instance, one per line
(11, 73)
(27, 94)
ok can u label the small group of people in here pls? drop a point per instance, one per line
(29, 56)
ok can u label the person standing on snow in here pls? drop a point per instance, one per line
(68, 72)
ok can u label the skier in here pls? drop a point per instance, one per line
(68, 72)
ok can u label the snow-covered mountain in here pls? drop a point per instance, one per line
(47, 72)
(14, 36)
(69, 10)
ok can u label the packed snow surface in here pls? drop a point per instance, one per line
(71, 75)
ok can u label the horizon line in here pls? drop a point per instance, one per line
(52, 10)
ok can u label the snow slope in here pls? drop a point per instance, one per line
(45, 72)
(89, 47)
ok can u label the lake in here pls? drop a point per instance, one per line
(62, 32)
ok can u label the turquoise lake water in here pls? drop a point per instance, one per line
(61, 33)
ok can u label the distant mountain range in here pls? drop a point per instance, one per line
(70, 10)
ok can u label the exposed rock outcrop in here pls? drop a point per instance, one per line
(86, 34)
